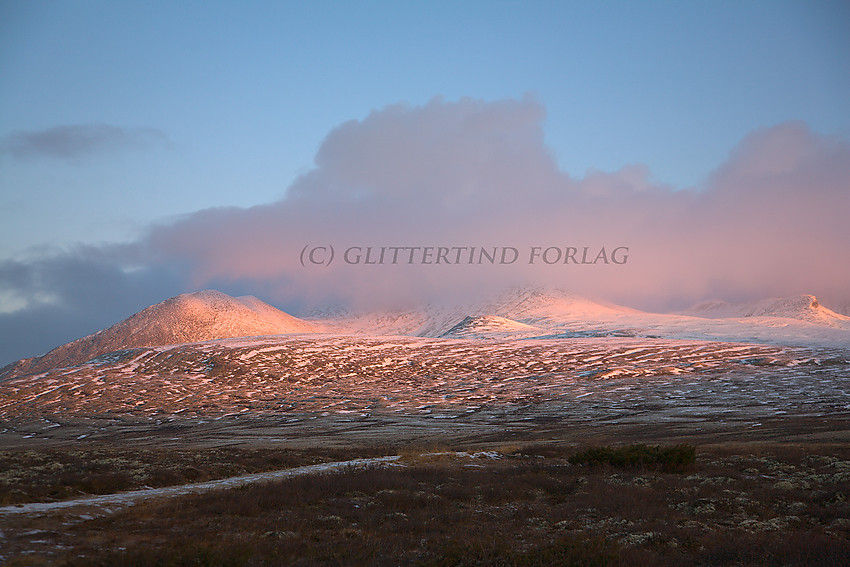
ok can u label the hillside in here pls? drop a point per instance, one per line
(801, 307)
(529, 310)
(490, 326)
(190, 317)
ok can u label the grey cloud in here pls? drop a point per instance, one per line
(86, 289)
(80, 140)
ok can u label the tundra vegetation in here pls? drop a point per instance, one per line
(533, 504)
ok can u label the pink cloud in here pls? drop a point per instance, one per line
(771, 220)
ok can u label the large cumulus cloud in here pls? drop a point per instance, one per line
(771, 220)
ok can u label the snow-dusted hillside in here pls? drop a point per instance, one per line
(555, 313)
(516, 315)
(541, 309)
(548, 354)
(491, 326)
(191, 317)
(801, 307)
(548, 307)
(302, 377)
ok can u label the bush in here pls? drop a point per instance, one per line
(676, 458)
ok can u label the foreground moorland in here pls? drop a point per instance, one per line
(541, 504)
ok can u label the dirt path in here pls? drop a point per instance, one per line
(107, 503)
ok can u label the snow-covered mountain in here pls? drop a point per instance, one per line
(552, 306)
(528, 313)
(801, 307)
(191, 317)
(523, 355)
(518, 314)
(529, 308)
(491, 326)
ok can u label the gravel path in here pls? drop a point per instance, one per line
(111, 502)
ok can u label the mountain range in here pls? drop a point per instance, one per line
(519, 314)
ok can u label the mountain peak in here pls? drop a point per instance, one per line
(489, 325)
(802, 307)
(190, 317)
(533, 304)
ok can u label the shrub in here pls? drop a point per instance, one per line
(676, 458)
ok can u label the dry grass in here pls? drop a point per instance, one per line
(731, 506)
(60, 474)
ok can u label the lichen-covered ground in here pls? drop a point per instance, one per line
(752, 504)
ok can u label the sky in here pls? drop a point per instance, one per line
(154, 148)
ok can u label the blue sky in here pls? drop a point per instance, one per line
(153, 148)
(244, 93)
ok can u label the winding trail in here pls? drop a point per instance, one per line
(108, 503)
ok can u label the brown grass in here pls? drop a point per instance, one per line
(60, 474)
(733, 506)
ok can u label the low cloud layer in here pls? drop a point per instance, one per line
(75, 141)
(770, 221)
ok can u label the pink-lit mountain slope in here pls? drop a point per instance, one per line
(545, 307)
(491, 326)
(552, 313)
(191, 317)
(521, 311)
(800, 307)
